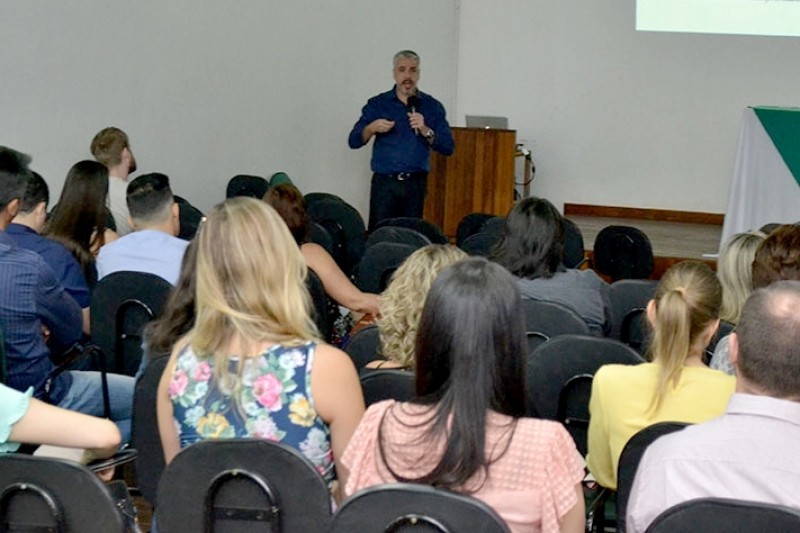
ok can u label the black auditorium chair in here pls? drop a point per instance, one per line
(319, 235)
(559, 378)
(629, 461)
(323, 306)
(190, 219)
(247, 185)
(225, 485)
(409, 507)
(470, 225)
(314, 197)
(387, 384)
(479, 244)
(623, 252)
(574, 251)
(635, 330)
(43, 494)
(433, 232)
(364, 346)
(144, 432)
(495, 225)
(346, 228)
(399, 235)
(122, 304)
(379, 262)
(545, 320)
(721, 515)
(627, 295)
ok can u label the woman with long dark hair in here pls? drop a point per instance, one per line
(80, 219)
(464, 431)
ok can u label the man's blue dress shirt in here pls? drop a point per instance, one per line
(32, 297)
(401, 149)
(66, 268)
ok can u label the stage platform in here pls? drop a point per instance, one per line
(674, 235)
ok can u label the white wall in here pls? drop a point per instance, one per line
(209, 89)
(618, 117)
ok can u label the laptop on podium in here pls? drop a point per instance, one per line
(489, 123)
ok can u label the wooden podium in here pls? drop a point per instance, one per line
(478, 177)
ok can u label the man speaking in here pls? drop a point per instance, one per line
(406, 124)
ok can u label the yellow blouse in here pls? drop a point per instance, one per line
(620, 407)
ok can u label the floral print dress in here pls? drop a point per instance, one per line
(273, 403)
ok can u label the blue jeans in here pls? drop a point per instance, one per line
(86, 396)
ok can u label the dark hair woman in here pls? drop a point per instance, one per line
(464, 430)
(532, 248)
(80, 219)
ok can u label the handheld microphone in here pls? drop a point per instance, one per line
(411, 105)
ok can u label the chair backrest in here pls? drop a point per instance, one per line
(722, 515)
(397, 234)
(319, 235)
(470, 225)
(246, 185)
(241, 485)
(190, 218)
(364, 346)
(725, 329)
(314, 197)
(345, 226)
(627, 295)
(379, 263)
(545, 320)
(433, 232)
(320, 300)
(122, 303)
(574, 250)
(419, 508)
(494, 226)
(479, 244)
(635, 330)
(150, 459)
(623, 252)
(43, 494)
(630, 458)
(559, 374)
(387, 384)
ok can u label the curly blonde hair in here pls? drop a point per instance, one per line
(405, 296)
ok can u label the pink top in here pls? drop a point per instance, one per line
(531, 482)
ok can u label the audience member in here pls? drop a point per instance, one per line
(464, 431)
(27, 420)
(676, 386)
(35, 311)
(153, 246)
(403, 300)
(251, 365)
(26, 230)
(111, 148)
(532, 248)
(735, 273)
(79, 220)
(288, 201)
(777, 258)
(750, 452)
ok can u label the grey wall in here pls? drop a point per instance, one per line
(619, 117)
(209, 89)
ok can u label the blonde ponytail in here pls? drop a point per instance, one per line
(686, 302)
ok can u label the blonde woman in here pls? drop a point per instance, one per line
(735, 273)
(676, 386)
(403, 300)
(251, 365)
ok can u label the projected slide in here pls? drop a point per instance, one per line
(743, 17)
